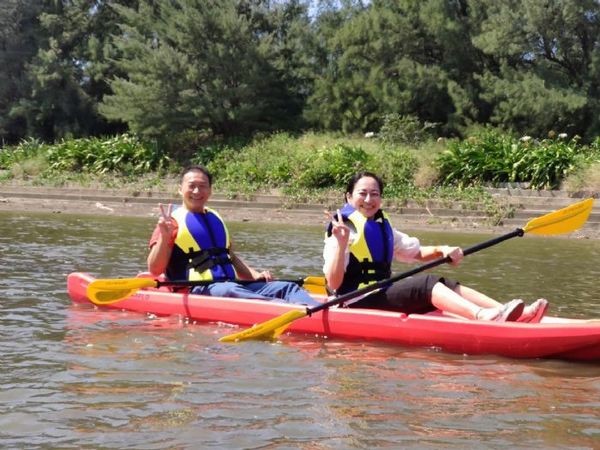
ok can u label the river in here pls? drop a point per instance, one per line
(78, 378)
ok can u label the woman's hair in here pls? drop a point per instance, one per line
(352, 181)
(197, 168)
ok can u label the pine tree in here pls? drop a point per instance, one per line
(398, 57)
(548, 76)
(66, 69)
(18, 45)
(219, 66)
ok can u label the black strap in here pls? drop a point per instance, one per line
(208, 258)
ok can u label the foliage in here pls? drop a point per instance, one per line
(124, 154)
(545, 74)
(595, 145)
(399, 57)
(280, 161)
(332, 167)
(495, 157)
(27, 149)
(201, 147)
(315, 167)
(310, 163)
(79, 68)
(261, 164)
(406, 129)
(19, 41)
(239, 79)
(62, 52)
(586, 177)
(529, 103)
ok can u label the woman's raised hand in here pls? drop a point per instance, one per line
(339, 229)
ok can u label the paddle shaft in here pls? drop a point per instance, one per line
(410, 273)
(186, 283)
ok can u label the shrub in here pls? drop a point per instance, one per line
(404, 129)
(332, 167)
(27, 149)
(397, 166)
(494, 157)
(486, 157)
(124, 154)
(586, 175)
(264, 163)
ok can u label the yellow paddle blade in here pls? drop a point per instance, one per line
(280, 330)
(561, 221)
(315, 285)
(109, 297)
(268, 330)
(107, 291)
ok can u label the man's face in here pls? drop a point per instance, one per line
(195, 191)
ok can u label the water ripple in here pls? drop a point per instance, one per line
(78, 377)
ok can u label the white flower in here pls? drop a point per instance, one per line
(369, 134)
(562, 135)
(525, 138)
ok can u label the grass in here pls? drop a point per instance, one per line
(309, 168)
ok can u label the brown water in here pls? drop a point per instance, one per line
(75, 378)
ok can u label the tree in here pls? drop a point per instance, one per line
(18, 44)
(549, 72)
(68, 60)
(399, 57)
(205, 65)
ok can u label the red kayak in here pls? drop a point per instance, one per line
(554, 337)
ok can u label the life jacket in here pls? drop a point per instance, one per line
(372, 251)
(201, 250)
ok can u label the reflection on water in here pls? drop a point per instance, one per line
(86, 378)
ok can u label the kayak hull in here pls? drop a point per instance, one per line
(560, 338)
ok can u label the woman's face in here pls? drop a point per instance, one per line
(365, 197)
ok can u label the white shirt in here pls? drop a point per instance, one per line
(406, 248)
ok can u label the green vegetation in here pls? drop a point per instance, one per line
(71, 69)
(315, 166)
(124, 155)
(125, 92)
(492, 157)
(105, 162)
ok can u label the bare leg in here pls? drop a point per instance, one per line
(477, 297)
(474, 305)
(450, 301)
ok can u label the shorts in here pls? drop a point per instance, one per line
(410, 296)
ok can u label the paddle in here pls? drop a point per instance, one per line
(112, 290)
(560, 221)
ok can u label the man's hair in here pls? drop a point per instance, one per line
(197, 168)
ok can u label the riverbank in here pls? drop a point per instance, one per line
(274, 209)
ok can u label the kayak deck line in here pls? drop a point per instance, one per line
(554, 337)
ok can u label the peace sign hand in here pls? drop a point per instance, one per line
(339, 229)
(165, 221)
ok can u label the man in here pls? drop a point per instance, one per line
(192, 243)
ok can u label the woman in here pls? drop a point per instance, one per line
(359, 249)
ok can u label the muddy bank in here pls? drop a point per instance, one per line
(122, 203)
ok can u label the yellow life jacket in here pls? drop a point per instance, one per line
(201, 250)
(372, 251)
